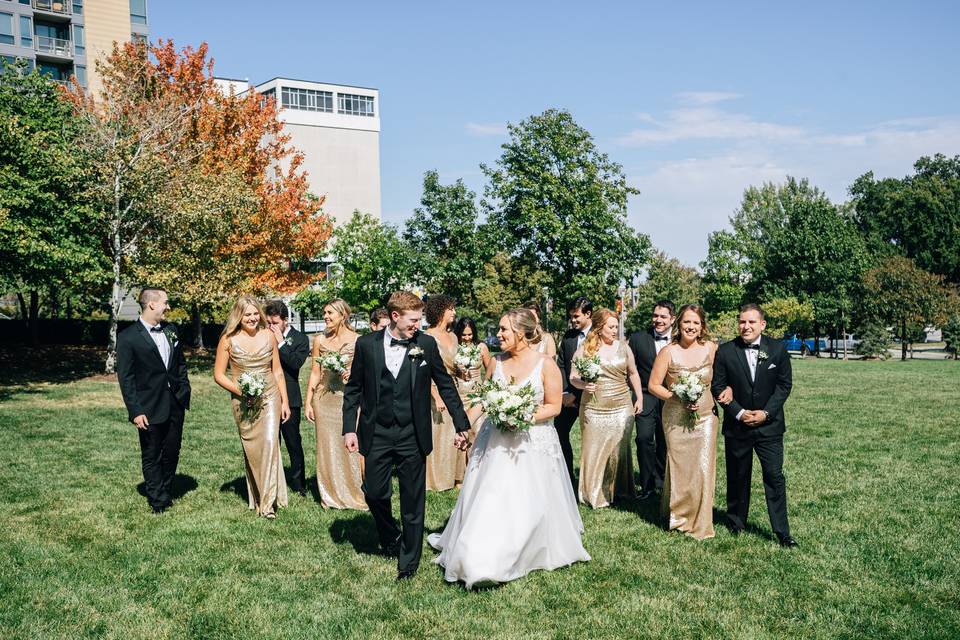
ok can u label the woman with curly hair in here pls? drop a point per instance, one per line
(446, 464)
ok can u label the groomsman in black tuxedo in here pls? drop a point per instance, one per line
(651, 445)
(579, 311)
(153, 380)
(293, 348)
(389, 386)
(752, 379)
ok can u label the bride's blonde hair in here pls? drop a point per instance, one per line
(599, 318)
(232, 325)
(523, 322)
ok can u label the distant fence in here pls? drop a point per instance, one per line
(93, 332)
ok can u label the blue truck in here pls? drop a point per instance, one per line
(793, 343)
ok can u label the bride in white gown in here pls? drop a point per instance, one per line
(516, 512)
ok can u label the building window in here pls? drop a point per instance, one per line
(6, 28)
(138, 38)
(79, 46)
(138, 11)
(307, 99)
(26, 31)
(78, 7)
(355, 105)
(81, 73)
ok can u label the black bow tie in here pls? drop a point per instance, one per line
(659, 338)
(403, 343)
(755, 347)
(156, 329)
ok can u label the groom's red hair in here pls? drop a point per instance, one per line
(401, 301)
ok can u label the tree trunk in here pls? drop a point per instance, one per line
(69, 308)
(116, 300)
(34, 316)
(843, 332)
(54, 304)
(23, 307)
(903, 340)
(197, 327)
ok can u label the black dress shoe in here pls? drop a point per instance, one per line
(645, 495)
(405, 575)
(158, 509)
(788, 541)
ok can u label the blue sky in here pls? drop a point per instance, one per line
(697, 101)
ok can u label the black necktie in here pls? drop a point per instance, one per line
(403, 343)
(156, 329)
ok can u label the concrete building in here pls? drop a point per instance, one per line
(64, 38)
(337, 127)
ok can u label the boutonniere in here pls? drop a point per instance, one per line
(762, 355)
(288, 341)
(171, 336)
(414, 352)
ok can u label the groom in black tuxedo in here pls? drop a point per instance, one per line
(153, 380)
(293, 349)
(752, 379)
(389, 385)
(651, 445)
(580, 312)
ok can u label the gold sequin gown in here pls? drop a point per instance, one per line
(259, 429)
(606, 424)
(446, 463)
(339, 477)
(691, 473)
(474, 376)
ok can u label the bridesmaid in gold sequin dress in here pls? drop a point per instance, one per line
(466, 332)
(690, 430)
(607, 413)
(445, 464)
(248, 347)
(339, 472)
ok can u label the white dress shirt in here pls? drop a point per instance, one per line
(752, 355)
(393, 355)
(660, 344)
(283, 342)
(159, 339)
(583, 335)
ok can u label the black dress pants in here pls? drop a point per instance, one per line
(651, 449)
(290, 434)
(739, 456)
(396, 446)
(159, 455)
(563, 423)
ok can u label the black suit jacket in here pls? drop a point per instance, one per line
(361, 390)
(148, 387)
(768, 392)
(644, 353)
(292, 357)
(565, 353)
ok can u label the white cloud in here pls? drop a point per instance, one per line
(486, 129)
(707, 123)
(706, 97)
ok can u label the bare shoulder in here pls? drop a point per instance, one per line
(549, 365)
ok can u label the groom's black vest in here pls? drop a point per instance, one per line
(394, 406)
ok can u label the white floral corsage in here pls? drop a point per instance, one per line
(414, 352)
(170, 335)
(762, 355)
(288, 341)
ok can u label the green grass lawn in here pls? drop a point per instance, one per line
(872, 469)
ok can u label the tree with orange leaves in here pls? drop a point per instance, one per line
(198, 191)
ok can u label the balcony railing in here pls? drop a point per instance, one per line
(54, 46)
(53, 6)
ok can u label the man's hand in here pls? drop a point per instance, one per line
(726, 396)
(754, 418)
(351, 443)
(141, 422)
(461, 441)
(277, 334)
(568, 400)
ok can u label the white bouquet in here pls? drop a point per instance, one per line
(333, 361)
(509, 406)
(689, 388)
(251, 389)
(469, 356)
(588, 367)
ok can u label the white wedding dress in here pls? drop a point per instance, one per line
(517, 511)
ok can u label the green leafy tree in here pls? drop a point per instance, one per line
(505, 283)
(788, 316)
(372, 261)
(901, 294)
(48, 242)
(917, 216)
(557, 204)
(726, 272)
(667, 279)
(951, 334)
(447, 252)
(874, 341)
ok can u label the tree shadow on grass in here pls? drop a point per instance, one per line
(181, 486)
(359, 531)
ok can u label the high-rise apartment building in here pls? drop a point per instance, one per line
(337, 127)
(64, 38)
